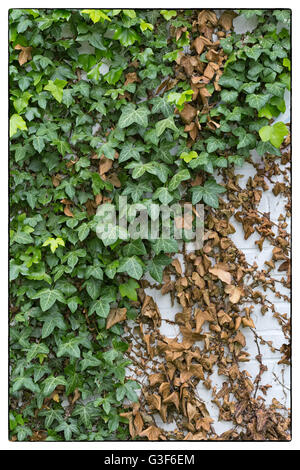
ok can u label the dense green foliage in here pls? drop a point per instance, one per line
(64, 279)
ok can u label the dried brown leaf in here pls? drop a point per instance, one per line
(188, 113)
(224, 276)
(234, 293)
(226, 19)
(116, 315)
(25, 54)
(152, 433)
(68, 212)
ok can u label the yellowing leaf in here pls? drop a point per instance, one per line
(96, 15)
(54, 243)
(56, 88)
(16, 122)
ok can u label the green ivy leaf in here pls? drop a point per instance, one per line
(257, 101)
(164, 245)
(229, 96)
(209, 193)
(35, 350)
(126, 36)
(132, 266)
(163, 195)
(167, 123)
(83, 231)
(38, 143)
(51, 321)
(54, 243)
(50, 384)
(69, 348)
(131, 114)
(48, 297)
(129, 151)
(168, 14)
(25, 382)
(56, 88)
(101, 307)
(96, 15)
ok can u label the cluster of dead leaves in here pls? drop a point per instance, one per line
(212, 290)
(201, 72)
(247, 200)
(106, 170)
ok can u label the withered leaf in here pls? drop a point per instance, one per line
(155, 401)
(105, 165)
(209, 71)
(185, 222)
(285, 266)
(55, 180)
(131, 78)
(261, 419)
(188, 113)
(138, 423)
(212, 55)
(240, 338)
(25, 54)
(55, 397)
(98, 199)
(199, 45)
(248, 322)
(114, 180)
(224, 276)
(197, 371)
(198, 280)
(207, 16)
(191, 411)
(156, 379)
(177, 266)
(152, 433)
(204, 423)
(223, 317)
(164, 389)
(204, 93)
(234, 293)
(68, 211)
(187, 63)
(116, 315)
(226, 19)
(192, 130)
(173, 398)
(76, 396)
(201, 317)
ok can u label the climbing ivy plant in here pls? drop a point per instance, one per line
(97, 111)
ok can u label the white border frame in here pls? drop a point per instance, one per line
(127, 446)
